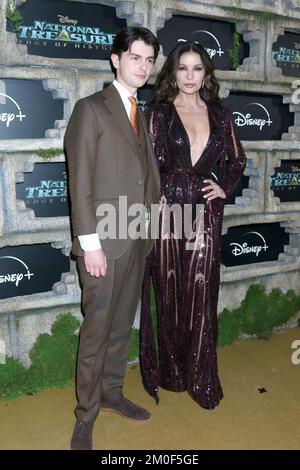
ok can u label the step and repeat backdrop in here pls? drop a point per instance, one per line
(58, 52)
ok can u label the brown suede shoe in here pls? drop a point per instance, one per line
(82, 436)
(127, 409)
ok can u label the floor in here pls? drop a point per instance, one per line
(245, 419)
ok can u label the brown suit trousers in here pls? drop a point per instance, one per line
(106, 328)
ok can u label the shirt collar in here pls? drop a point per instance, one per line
(123, 92)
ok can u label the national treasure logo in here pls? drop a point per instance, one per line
(286, 53)
(284, 180)
(68, 29)
(48, 190)
(65, 32)
(285, 56)
(45, 190)
(285, 183)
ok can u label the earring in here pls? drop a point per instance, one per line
(203, 84)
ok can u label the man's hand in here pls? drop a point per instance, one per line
(95, 262)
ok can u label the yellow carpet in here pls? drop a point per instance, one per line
(245, 419)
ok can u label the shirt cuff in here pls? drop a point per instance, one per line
(89, 242)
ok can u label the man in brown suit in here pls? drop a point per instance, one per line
(109, 156)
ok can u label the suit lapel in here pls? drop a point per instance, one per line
(143, 125)
(114, 104)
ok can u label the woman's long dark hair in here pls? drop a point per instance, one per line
(165, 89)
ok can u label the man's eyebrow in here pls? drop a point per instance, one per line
(138, 55)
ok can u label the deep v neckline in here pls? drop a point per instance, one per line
(188, 139)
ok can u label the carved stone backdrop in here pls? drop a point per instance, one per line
(57, 53)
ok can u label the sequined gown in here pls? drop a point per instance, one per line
(186, 271)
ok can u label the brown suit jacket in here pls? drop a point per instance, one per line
(105, 161)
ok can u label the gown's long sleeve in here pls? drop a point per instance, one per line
(235, 162)
(158, 133)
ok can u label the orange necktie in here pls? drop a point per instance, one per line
(134, 115)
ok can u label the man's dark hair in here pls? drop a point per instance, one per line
(127, 36)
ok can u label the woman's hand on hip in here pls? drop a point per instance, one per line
(213, 190)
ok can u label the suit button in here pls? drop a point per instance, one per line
(140, 180)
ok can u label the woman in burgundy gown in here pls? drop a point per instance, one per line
(200, 161)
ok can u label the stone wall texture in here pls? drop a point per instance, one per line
(23, 318)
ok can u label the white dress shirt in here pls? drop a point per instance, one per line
(91, 241)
